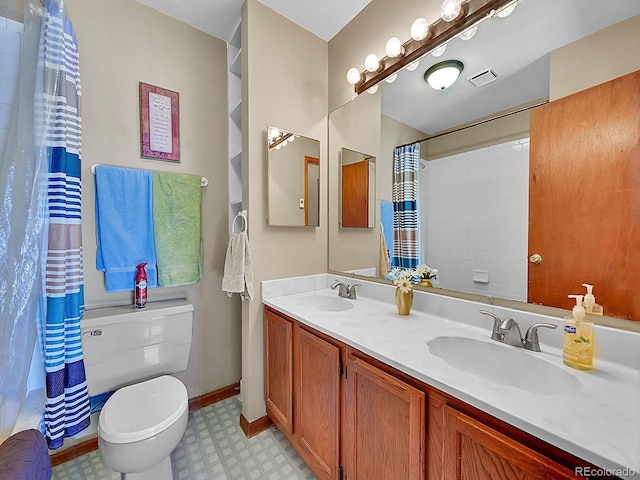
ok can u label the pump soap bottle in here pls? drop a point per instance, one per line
(578, 338)
(589, 304)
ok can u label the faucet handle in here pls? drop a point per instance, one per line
(531, 341)
(343, 291)
(496, 334)
(352, 291)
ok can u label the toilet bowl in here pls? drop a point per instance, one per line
(132, 352)
(140, 425)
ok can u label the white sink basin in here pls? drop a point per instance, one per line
(325, 303)
(506, 365)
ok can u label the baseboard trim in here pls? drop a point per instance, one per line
(74, 451)
(215, 396)
(253, 428)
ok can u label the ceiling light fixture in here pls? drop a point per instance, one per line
(425, 39)
(444, 74)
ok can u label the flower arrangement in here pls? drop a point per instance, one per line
(404, 278)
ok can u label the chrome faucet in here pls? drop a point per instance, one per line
(346, 291)
(508, 331)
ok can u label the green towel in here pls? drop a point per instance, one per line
(177, 228)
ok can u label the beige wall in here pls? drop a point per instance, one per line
(368, 33)
(596, 59)
(121, 43)
(355, 126)
(285, 85)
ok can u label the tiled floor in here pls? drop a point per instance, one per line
(213, 447)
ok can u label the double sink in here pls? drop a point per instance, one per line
(492, 361)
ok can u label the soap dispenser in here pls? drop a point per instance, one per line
(578, 338)
(589, 304)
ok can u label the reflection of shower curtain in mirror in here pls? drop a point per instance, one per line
(406, 220)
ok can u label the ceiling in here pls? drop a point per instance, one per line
(516, 48)
(219, 18)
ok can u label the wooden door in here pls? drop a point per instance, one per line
(584, 200)
(317, 404)
(355, 194)
(384, 426)
(278, 334)
(473, 451)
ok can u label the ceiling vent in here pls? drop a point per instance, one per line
(482, 78)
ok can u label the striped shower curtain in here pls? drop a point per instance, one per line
(67, 401)
(406, 238)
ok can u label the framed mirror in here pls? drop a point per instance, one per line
(357, 189)
(460, 146)
(293, 179)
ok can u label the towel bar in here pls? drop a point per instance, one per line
(203, 180)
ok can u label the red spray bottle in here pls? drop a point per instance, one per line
(141, 286)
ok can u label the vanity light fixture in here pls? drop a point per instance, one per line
(459, 18)
(444, 74)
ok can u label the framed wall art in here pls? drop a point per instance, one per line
(159, 123)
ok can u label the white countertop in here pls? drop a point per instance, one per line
(600, 424)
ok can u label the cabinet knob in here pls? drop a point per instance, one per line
(535, 258)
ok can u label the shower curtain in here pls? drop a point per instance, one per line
(23, 177)
(40, 239)
(406, 220)
(67, 403)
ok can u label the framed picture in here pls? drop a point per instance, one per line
(159, 123)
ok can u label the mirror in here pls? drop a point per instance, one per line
(293, 179)
(509, 133)
(357, 189)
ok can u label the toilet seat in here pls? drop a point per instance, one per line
(142, 410)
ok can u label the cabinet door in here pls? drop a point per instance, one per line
(317, 413)
(473, 451)
(278, 333)
(384, 425)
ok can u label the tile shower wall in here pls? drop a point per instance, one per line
(475, 219)
(10, 39)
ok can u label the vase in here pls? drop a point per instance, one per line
(404, 301)
(425, 282)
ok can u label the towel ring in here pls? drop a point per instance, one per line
(242, 215)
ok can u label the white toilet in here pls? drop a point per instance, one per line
(132, 351)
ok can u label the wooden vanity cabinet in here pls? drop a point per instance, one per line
(474, 451)
(369, 421)
(303, 390)
(278, 334)
(384, 427)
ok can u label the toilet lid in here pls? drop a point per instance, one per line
(142, 410)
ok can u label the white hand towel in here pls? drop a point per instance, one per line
(238, 267)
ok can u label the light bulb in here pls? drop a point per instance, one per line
(373, 89)
(371, 63)
(439, 51)
(419, 29)
(394, 48)
(450, 10)
(412, 66)
(469, 33)
(279, 146)
(284, 143)
(292, 138)
(506, 11)
(391, 78)
(353, 75)
(273, 133)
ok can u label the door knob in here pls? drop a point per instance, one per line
(535, 258)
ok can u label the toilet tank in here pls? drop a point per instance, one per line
(125, 345)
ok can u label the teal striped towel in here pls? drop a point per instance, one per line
(177, 227)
